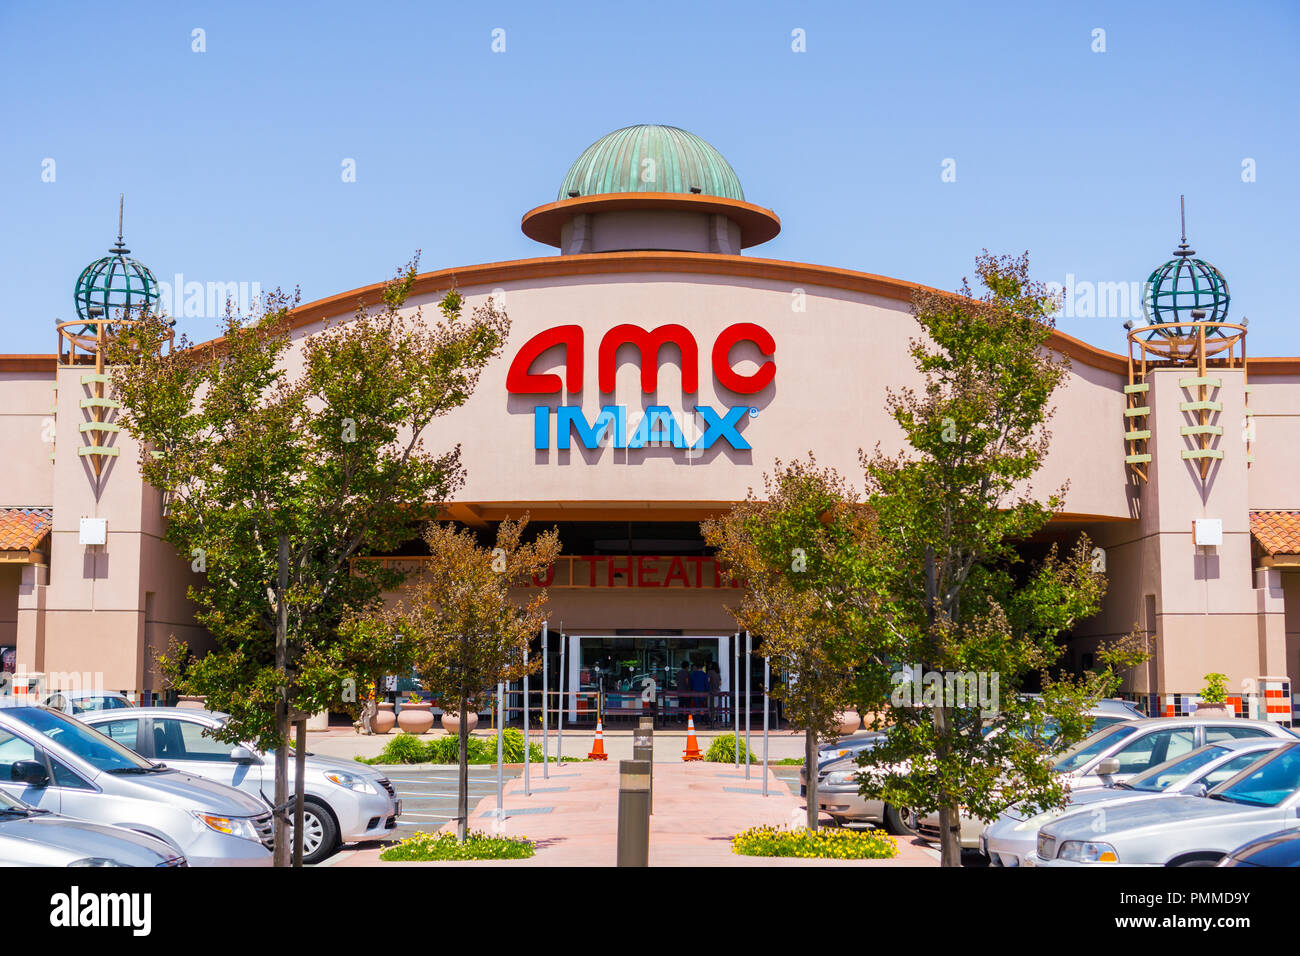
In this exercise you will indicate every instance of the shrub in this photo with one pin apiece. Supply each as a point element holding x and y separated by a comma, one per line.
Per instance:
<point>821,844</point>
<point>1216,689</point>
<point>723,750</point>
<point>443,846</point>
<point>403,748</point>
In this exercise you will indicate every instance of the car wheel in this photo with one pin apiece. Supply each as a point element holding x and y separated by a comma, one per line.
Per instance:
<point>320,834</point>
<point>1198,863</point>
<point>896,821</point>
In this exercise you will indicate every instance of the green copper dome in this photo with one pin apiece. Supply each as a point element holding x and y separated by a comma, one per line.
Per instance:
<point>651,159</point>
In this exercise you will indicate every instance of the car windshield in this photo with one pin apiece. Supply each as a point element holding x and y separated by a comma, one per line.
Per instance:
<point>99,751</point>
<point>9,803</point>
<point>1175,771</point>
<point>1101,723</point>
<point>1088,748</point>
<point>1268,785</point>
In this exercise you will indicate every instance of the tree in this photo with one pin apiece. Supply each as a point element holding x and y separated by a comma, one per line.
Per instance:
<point>289,459</point>
<point>808,593</point>
<point>468,631</point>
<point>957,599</point>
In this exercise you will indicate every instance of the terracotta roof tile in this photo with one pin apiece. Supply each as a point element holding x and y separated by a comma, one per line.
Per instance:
<point>23,529</point>
<point>1278,532</point>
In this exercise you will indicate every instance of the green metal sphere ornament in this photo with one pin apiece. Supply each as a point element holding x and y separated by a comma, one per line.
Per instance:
<point>1185,289</point>
<point>115,288</point>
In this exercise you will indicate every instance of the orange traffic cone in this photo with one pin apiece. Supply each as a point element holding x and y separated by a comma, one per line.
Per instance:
<point>598,748</point>
<point>692,751</point>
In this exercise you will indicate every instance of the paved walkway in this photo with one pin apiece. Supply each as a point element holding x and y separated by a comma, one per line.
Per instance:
<point>573,818</point>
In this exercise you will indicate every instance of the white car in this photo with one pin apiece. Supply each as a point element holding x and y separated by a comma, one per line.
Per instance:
<point>78,702</point>
<point>54,762</point>
<point>1180,829</point>
<point>30,836</point>
<point>1013,837</point>
<point>346,801</point>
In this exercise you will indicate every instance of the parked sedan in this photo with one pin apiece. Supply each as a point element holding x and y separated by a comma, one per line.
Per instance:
<point>845,748</point>
<point>346,802</point>
<point>57,763</point>
<point>1273,849</point>
<point>30,836</point>
<point>77,702</point>
<point>1181,830</point>
<point>1011,838</point>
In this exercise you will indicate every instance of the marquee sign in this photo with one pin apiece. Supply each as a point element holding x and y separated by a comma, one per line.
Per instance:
<point>658,424</point>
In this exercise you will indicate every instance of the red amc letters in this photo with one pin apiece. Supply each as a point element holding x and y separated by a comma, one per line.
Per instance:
<point>521,381</point>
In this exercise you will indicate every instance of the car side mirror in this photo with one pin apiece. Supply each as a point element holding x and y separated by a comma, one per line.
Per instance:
<point>1107,767</point>
<point>241,755</point>
<point>1198,790</point>
<point>30,772</point>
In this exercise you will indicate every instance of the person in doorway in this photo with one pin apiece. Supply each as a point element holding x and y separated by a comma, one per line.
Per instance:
<point>683,685</point>
<point>699,689</point>
<point>715,690</point>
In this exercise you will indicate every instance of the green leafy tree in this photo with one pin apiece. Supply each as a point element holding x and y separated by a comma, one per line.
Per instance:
<point>318,448</point>
<point>957,600</point>
<point>468,629</point>
<point>808,593</point>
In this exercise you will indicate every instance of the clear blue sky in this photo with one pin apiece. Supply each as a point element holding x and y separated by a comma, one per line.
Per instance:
<point>230,159</point>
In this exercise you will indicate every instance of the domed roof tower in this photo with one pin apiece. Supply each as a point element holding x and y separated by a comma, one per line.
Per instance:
<point>646,188</point>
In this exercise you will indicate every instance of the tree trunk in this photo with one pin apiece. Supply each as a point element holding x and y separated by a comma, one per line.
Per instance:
<point>299,789</point>
<point>281,820</point>
<point>949,814</point>
<point>462,796</point>
<point>810,763</point>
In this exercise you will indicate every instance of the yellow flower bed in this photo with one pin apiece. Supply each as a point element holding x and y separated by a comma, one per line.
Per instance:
<point>829,844</point>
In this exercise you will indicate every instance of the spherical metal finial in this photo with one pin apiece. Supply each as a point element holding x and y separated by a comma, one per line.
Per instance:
<point>1184,286</point>
<point>115,287</point>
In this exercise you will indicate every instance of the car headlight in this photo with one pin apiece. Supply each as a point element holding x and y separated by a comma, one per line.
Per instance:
<point>231,826</point>
<point>349,781</point>
<point>96,861</point>
<point>1082,851</point>
<point>842,776</point>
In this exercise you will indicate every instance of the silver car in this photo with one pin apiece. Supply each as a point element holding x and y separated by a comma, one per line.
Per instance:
<point>346,801</point>
<point>1013,837</point>
<point>1180,830</point>
<point>1123,750</point>
<point>57,763</point>
<point>78,702</point>
<point>30,836</point>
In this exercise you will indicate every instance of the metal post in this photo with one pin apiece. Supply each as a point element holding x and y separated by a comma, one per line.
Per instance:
<point>749,696</point>
<point>559,742</point>
<point>546,694</point>
<point>527,786</point>
<point>767,673</point>
<point>501,738</point>
<point>633,813</point>
<point>643,739</point>
<point>300,776</point>
<point>735,696</point>
<point>281,832</point>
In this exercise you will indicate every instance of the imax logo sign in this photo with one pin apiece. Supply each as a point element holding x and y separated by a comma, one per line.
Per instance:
<point>658,427</point>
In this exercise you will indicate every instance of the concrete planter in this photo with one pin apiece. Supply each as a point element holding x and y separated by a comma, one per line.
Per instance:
<point>1214,710</point>
<point>849,721</point>
<point>416,718</point>
<point>451,722</point>
<point>192,703</point>
<point>384,720</point>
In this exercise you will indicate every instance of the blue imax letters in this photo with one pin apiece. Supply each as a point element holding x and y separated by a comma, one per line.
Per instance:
<point>658,427</point>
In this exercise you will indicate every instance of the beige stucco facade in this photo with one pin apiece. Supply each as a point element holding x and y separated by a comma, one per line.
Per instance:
<point>840,342</point>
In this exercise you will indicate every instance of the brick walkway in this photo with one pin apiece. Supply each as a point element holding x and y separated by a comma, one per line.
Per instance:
<point>698,808</point>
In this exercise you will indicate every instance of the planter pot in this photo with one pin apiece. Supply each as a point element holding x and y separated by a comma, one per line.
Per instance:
<point>319,721</point>
<point>849,721</point>
<point>416,718</point>
<point>1215,710</point>
<point>451,722</point>
<point>192,703</point>
<point>384,721</point>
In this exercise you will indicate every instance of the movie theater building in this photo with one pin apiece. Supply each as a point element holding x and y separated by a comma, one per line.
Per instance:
<point>656,368</point>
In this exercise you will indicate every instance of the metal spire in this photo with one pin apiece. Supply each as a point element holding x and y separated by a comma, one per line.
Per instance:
<point>120,249</point>
<point>1182,249</point>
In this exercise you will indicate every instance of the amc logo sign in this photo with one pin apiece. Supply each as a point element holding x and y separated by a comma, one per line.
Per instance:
<point>658,425</point>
